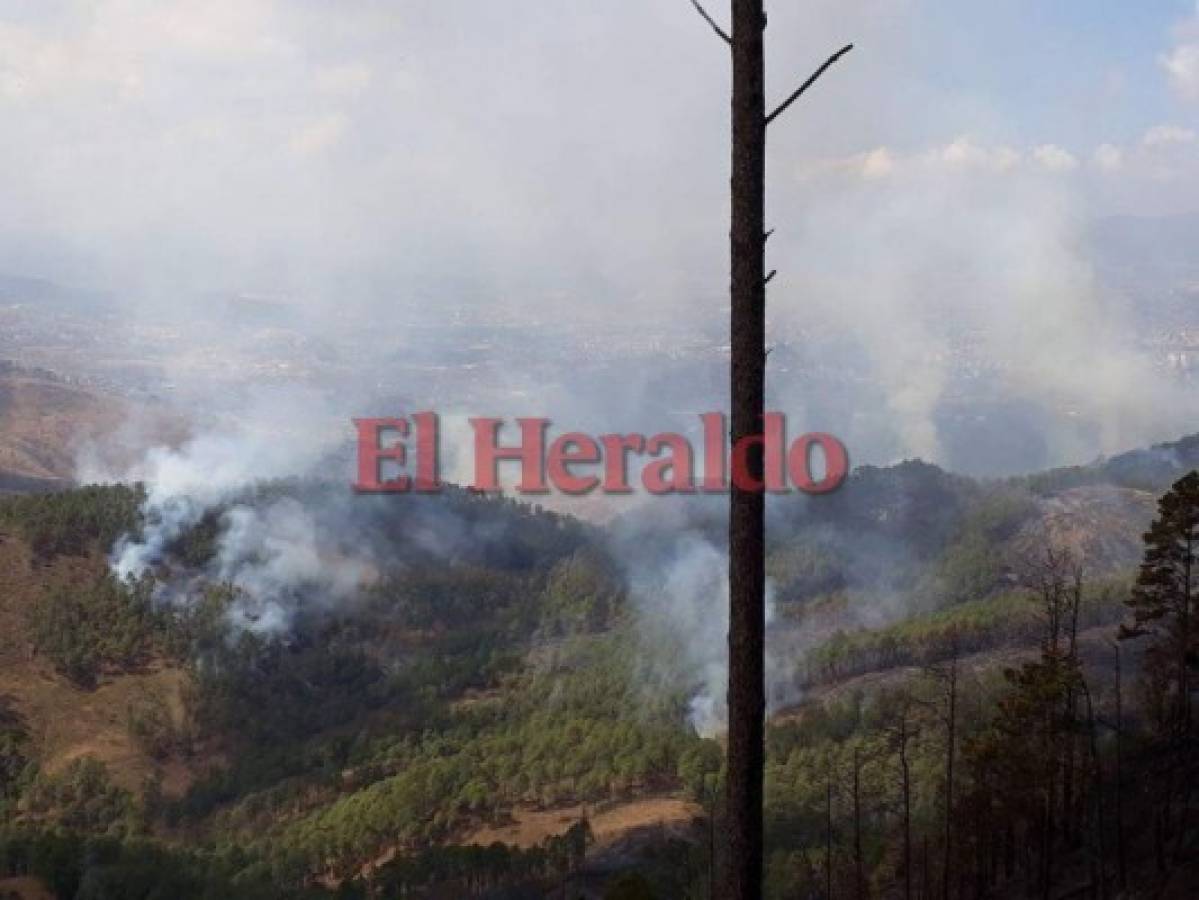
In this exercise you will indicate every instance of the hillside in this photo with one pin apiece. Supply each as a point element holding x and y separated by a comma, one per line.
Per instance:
<point>469,697</point>
<point>64,723</point>
<point>45,421</point>
<point>187,726</point>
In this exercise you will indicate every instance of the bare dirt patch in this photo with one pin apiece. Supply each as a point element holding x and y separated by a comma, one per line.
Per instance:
<point>24,889</point>
<point>609,821</point>
<point>62,721</point>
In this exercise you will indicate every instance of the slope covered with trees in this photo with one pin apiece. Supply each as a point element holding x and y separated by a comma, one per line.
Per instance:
<point>965,721</point>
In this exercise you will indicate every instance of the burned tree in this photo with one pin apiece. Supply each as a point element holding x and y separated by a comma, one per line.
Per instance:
<point>900,729</point>
<point>747,526</point>
<point>1163,605</point>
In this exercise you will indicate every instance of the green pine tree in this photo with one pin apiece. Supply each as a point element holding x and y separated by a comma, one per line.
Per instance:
<point>1163,604</point>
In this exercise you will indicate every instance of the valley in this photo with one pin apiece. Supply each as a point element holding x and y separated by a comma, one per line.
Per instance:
<point>516,712</point>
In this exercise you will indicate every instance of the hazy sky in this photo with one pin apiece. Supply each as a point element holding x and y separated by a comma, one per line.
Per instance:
<point>535,145</point>
<point>569,160</point>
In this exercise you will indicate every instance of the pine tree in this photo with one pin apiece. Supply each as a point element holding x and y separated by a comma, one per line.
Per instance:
<point>1163,610</point>
<point>1163,601</point>
<point>747,370</point>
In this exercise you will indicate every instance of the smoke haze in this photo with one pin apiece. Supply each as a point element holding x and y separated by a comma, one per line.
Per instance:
<point>295,213</point>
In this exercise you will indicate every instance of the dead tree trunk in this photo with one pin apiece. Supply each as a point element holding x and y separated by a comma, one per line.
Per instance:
<point>900,731</point>
<point>926,890</point>
<point>1099,850</point>
<point>1121,857</point>
<point>828,836</point>
<point>951,724</point>
<point>906,773</point>
<point>747,525</point>
<point>859,877</point>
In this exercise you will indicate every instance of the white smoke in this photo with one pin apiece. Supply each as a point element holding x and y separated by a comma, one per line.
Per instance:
<point>272,552</point>
<point>275,557</point>
<point>963,273</point>
<point>683,601</point>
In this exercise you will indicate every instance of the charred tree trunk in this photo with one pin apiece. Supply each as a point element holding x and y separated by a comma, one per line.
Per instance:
<point>1099,856</point>
<point>859,877</point>
<point>1184,622</point>
<point>1049,834</point>
<point>713,796</point>
<point>747,526</point>
<point>1184,694</point>
<point>951,722</point>
<point>828,838</point>
<point>1069,798</point>
<point>1121,857</point>
<point>906,774</point>
<point>925,879</point>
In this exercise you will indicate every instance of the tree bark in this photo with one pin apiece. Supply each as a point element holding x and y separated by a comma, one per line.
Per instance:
<point>1184,693</point>
<point>1100,849</point>
<point>951,723</point>
<point>712,795</point>
<point>907,808</point>
<point>859,878</point>
<point>828,836</point>
<point>747,239</point>
<point>1121,857</point>
<point>926,890</point>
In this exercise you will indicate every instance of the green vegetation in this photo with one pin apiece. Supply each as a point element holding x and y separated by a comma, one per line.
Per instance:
<point>509,674</point>
<point>16,766</point>
<point>92,627</point>
<point>72,522</point>
<point>471,870</point>
<point>1004,620</point>
<point>81,867</point>
<point>492,754</point>
<point>82,798</point>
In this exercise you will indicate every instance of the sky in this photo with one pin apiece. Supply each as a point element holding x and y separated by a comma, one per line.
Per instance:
<point>563,159</point>
<point>302,146</point>
<point>567,161</point>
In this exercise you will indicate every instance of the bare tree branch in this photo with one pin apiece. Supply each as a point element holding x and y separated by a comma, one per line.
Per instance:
<point>770,277</point>
<point>707,18</point>
<point>807,84</point>
<point>767,235</point>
